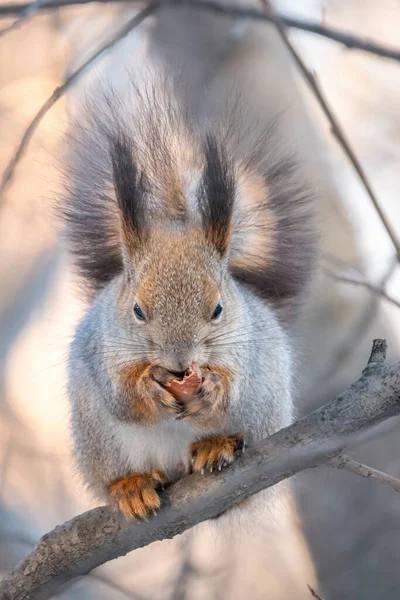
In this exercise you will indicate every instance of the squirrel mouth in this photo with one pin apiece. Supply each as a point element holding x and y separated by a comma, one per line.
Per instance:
<point>179,374</point>
<point>187,384</point>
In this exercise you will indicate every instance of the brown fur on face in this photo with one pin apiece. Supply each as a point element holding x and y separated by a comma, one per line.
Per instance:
<point>179,272</point>
<point>177,280</point>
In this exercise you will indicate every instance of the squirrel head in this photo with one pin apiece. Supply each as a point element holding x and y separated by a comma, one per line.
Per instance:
<point>178,294</point>
<point>177,289</point>
<point>189,218</point>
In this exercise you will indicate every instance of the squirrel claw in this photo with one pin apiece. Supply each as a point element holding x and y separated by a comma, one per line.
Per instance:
<point>216,452</point>
<point>136,495</point>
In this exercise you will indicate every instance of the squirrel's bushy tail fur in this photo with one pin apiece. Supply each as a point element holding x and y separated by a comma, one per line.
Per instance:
<point>151,146</point>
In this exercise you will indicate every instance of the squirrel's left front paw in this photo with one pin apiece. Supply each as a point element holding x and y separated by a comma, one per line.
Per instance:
<point>136,495</point>
<point>208,406</point>
<point>215,452</point>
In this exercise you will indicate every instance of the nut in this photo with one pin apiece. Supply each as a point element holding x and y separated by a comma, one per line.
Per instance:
<point>185,388</point>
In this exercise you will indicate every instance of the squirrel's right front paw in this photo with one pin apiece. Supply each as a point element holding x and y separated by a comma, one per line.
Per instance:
<point>158,378</point>
<point>148,400</point>
<point>136,495</point>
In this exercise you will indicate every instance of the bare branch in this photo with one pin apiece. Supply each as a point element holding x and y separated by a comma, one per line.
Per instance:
<point>99,535</point>
<point>26,10</point>
<point>59,91</point>
<point>29,10</point>
<point>377,290</point>
<point>350,41</point>
<point>314,593</point>
<point>335,128</point>
<point>339,355</point>
<point>345,462</point>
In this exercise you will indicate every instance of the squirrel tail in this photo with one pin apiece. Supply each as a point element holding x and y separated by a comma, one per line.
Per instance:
<point>123,162</point>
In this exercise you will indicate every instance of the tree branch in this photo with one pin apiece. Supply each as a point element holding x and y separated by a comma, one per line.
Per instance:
<point>376,290</point>
<point>314,593</point>
<point>338,355</point>
<point>59,91</point>
<point>350,41</point>
<point>29,10</point>
<point>335,127</point>
<point>341,461</point>
<point>233,11</point>
<point>99,535</point>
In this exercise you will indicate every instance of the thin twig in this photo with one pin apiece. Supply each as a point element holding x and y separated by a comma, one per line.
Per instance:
<point>336,129</point>
<point>255,14</point>
<point>343,461</point>
<point>29,10</point>
<point>59,91</point>
<point>314,593</point>
<point>349,40</point>
<point>345,346</point>
<point>377,290</point>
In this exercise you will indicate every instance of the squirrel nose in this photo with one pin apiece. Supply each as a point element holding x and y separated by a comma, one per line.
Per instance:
<point>174,365</point>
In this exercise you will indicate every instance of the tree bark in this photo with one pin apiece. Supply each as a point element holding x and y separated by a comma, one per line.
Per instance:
<point>99,535</point>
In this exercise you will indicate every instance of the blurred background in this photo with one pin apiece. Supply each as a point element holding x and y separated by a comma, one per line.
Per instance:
<point>351,544</point>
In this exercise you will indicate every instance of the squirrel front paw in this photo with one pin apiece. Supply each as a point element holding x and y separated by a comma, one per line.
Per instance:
<point>154,382</point>
<point>147,398</point>
<point>215,452</point>
<point>208,406</point>
<point>136,495</point>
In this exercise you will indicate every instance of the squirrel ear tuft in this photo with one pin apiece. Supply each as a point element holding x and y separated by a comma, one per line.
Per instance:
<point>130,190</point>
<point>217,195</point>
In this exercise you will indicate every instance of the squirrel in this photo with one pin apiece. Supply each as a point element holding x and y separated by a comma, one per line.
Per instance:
<point>195,242</point>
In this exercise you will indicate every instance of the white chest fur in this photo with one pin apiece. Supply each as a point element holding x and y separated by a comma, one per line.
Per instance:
<point>164,446</point>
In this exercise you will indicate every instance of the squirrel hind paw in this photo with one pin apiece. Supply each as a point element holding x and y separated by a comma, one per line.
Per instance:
<point>136,496</point>
<point>216,452</point>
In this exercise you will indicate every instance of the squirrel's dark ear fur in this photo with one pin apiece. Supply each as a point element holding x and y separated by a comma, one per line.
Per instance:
<point>217,195</point>
<point>129,167</point>
<point>130,190</point>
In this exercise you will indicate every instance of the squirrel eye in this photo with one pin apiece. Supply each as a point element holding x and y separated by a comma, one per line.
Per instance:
<point>138,312</point>
<point>217,311</point>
